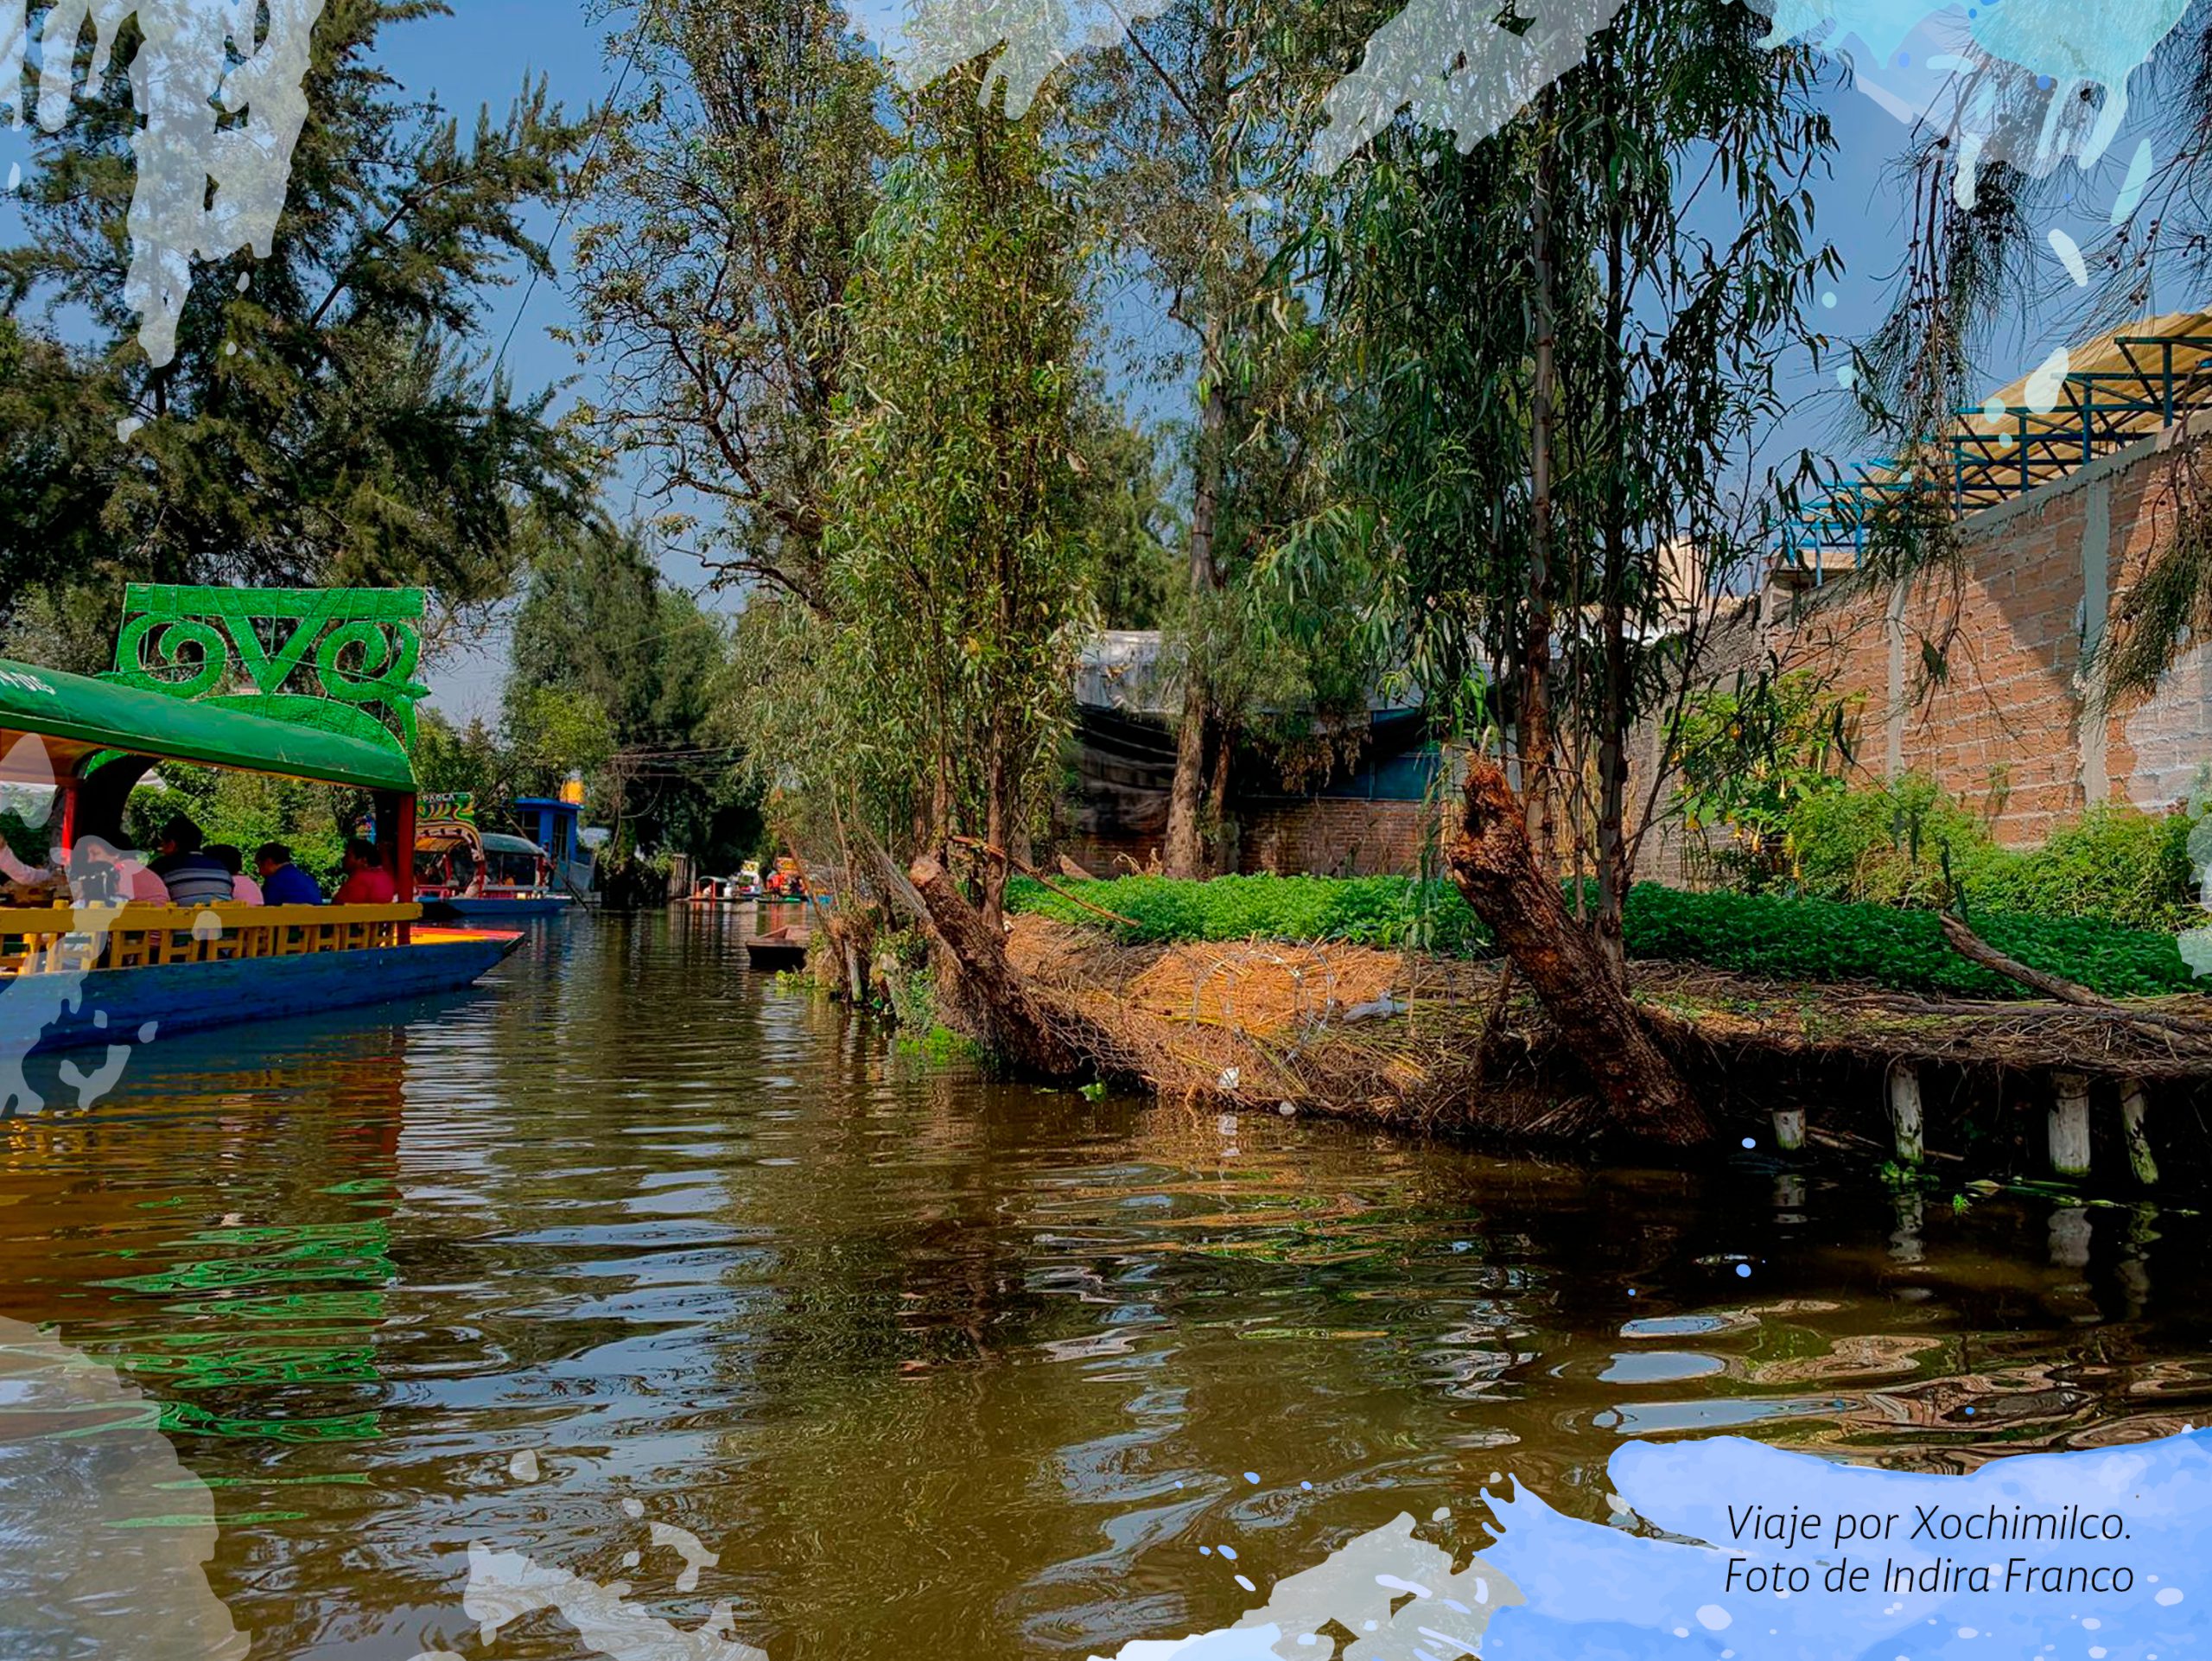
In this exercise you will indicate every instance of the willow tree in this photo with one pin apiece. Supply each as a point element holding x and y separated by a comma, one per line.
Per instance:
<point>1564,341</point>
<point>725,209</point>
<point>953,551</point>
<point>1180,128</point>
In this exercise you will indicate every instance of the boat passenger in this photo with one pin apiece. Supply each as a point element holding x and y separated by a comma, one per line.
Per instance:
<point>283,883</point>
<point>194,877</point>
<point>368,882</point>
<point>24,884</point>
<point>244,889</point>
<point>102,874</point>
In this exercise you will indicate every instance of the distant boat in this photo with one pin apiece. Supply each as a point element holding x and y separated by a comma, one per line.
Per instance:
<point>462,872</point>
<point>782,948</point>
<point>722,891</point>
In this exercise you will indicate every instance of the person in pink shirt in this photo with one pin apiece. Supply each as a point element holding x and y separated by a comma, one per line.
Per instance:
<point>100,874</point>
<point>245,890</point>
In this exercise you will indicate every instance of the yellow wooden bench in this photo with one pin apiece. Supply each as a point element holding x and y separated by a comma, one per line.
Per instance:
<point>64,938</point>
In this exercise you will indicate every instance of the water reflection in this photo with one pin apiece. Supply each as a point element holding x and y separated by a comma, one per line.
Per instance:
<point>942,1365</point>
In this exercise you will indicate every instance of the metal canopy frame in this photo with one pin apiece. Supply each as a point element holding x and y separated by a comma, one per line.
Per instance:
<point>1997,457</point>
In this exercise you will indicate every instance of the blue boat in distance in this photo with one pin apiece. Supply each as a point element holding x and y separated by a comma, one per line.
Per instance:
<point>480,875</point>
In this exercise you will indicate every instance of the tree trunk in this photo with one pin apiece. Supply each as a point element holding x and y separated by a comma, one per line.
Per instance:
<point>983,987</point>
<point>1184,855</point>
<point>1224,848</point>
<point>1181,857</point>
<point>1614,713</point>
<point>1496,870</point>
<point>998,786</point>
<point>1534,728</point>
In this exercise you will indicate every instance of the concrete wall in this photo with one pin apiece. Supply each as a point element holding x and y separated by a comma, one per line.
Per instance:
<point>2010,726</point>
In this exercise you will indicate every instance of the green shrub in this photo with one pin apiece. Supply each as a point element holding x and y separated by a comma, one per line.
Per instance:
<point>1749,754</point>
<point>1887,844</point>
<point>1751,934</point>
<point>2117,862</point>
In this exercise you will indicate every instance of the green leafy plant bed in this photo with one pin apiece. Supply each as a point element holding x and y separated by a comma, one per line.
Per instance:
<point>1826,940</point>
<point>1752,935</point>
<point>1387,911</point>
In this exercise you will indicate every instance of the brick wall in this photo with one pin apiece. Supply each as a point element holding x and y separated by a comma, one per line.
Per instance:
<point>1333,838</point>
<point>2010,726</point>
<point>1287,836</point>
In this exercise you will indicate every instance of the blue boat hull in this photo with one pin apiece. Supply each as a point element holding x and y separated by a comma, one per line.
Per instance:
<point>110,1006</point>
<point>483,910</point>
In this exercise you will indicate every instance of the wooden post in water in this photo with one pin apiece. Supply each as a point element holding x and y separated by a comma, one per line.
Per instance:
<point>2069,1124</point>
<point>2134,1110</point>
<point>1905,1113</point>
<point>1790,1129</point>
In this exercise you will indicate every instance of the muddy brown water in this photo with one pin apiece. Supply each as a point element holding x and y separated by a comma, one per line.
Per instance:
<point>940,1365</point>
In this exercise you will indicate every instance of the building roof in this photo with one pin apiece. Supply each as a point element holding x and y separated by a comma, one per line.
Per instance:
<point>2103,396</point>
<point>76,718</point>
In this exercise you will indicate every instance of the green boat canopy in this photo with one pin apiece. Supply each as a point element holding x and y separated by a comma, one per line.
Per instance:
<point>496,843</point>
<point>78,718</point>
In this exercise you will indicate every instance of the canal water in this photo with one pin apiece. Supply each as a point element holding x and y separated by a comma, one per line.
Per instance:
<point>941,1366</point>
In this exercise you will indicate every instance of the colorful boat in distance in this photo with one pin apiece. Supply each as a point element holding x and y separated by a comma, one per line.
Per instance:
<point>80,970</point>
<point>721,891</point>
<point>480,875</point>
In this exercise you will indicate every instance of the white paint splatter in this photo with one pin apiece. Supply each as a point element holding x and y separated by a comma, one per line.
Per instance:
<point>1455,69</point>
<point>221,113</point>
<point>109,1534</point>
<point>2049,381</point>
<point>2069,256</point>
<point>688,1546</point>
<point>2132,187</point>
<point>1369,1573</point>
<point>2011,82</point>
<point>504,1587</point>
<point>1038,35</point>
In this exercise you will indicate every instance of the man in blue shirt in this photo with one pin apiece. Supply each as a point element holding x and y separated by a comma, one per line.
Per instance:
<point>283,883</point>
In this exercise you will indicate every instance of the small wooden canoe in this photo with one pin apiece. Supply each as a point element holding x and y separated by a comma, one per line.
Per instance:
<point>782,948</point>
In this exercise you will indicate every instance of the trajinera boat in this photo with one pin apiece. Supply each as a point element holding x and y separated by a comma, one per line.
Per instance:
<point>98,971</point>
<point>480,875</point>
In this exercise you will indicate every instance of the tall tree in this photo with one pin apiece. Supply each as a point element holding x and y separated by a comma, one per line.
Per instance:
<point>729,205</point>
<point>323,419</point>
<point>955,553</point>
<point>1552,450</point>
<point>620,676</point>
<point>1181,127</point>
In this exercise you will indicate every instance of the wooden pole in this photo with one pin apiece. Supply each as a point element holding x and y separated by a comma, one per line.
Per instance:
<point>2069,1124</point>
<point>2134,1110</point>
<point>1790,1129</point>
<point>1905,1113</point>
